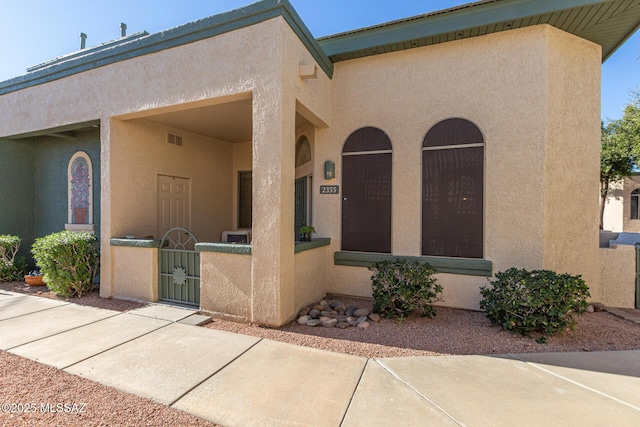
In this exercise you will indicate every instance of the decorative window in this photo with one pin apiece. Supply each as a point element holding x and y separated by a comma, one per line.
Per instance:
<point>453,190</point>
<point>303,151</point>
<point>635,197</point>
<point>80,189</point>
<point>366,191</point>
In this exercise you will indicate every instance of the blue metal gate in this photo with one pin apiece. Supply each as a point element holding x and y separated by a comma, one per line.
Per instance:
<point>179,266</point>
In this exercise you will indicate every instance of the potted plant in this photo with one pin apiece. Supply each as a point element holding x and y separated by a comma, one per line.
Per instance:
<point>305,233</point>
<point>34,278</point>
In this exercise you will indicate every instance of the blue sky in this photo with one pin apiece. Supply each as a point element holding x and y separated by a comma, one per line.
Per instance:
<point>35,31</point>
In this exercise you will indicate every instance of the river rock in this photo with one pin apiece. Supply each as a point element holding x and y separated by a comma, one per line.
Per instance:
<point>315,313</point>
<point>304,311</point>
<point>361,312</point>
<point>350,310</point>
<point>342,325</point>
<point>304,319</point>
<point>375,317</point>
<point>330,323</point>
<point>363,325</point>
<point>313,322</point>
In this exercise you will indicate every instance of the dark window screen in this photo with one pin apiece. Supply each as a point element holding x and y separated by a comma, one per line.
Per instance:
<point>635,194</point>
<point>452,198</point>
<point>366,195</point>
<point>453,132</point>
<point>244,199</point>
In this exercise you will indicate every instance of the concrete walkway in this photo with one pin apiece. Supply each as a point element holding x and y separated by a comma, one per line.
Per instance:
<point>236,380</point>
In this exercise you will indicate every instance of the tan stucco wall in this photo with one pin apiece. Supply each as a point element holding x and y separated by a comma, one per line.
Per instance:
<point>225,285</point>
<point>572,157</point>
<point>614,209</point>
<point>140,152</point>
<point>500,82</point>
<point>310,276</point>
<point>618,276</point>
<point>137,274</point>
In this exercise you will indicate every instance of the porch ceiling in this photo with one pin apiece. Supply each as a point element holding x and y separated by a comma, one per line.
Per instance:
<point>230,121</point>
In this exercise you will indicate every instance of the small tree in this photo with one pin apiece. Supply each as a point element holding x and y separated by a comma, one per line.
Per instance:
<point>620,149</point>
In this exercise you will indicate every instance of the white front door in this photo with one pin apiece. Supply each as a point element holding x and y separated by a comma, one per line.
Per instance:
<point>174,203</point>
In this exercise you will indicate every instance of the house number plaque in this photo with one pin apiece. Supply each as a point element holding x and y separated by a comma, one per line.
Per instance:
<point>329,189</point>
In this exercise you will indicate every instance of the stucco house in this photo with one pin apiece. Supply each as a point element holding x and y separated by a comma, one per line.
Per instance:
<point>467,138</point>
<point>622,209</point>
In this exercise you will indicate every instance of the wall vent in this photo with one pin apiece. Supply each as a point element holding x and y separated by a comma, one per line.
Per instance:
<point>174,139</point>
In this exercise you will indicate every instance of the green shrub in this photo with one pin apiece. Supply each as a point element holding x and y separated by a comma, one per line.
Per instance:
<point>534,301</point>
<point>12,267</point>
<point>400,287</point>
<point>68,260</point>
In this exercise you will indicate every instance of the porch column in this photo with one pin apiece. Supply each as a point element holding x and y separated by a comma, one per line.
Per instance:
<point>106,282</point>
<point>272,269</point>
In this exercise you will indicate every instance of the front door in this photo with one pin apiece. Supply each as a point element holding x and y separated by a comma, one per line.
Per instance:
<point>174,203</point>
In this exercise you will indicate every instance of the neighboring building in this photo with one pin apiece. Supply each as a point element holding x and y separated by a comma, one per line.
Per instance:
<point>622,210</point>
<point>467,138</point>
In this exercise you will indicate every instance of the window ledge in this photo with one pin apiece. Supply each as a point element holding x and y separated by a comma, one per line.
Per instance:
<point>464,266</point>
<point>80,227</point>
<point>314,243</point>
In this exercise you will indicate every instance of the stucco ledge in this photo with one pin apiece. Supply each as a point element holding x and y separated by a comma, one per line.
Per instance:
<point>464,266</point>
<point>134,243</point>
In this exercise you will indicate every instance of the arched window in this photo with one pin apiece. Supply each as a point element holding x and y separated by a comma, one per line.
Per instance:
<point>80,189</point>
<point>635,197</point>
<point>366,191</point>
<point>303,151</point>
<point>453,190</point>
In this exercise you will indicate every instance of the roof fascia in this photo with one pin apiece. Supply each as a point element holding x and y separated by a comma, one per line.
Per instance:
<point>181,35</point>
<point>456,20</point>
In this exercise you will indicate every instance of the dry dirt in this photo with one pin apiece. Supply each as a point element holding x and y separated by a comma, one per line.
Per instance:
<point>450,332</point>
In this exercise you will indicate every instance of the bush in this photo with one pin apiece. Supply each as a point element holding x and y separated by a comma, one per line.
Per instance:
<point>534,301</point>
<point>400,287</point>
<point>12,267</point>
<point>68,260</point>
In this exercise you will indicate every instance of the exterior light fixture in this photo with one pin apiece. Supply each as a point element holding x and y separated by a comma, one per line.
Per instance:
<point>329,170</point>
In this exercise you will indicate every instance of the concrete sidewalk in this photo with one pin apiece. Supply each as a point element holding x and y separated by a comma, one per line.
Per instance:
<point>236,380</point>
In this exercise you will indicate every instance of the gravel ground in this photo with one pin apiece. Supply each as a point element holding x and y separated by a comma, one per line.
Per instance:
<point>25,385</point>
<point>450,332</point>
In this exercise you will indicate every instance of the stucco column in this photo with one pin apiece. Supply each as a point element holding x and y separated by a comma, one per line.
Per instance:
<point>106,282</point>
<point>272,268</point>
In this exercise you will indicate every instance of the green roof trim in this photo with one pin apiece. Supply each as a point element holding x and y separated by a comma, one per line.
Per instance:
<point>605,22</point>
<point>464,266</point>
<point>140,45</point>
